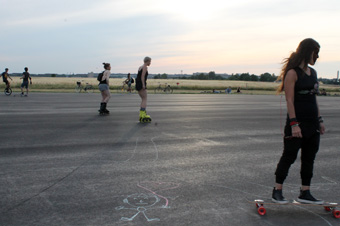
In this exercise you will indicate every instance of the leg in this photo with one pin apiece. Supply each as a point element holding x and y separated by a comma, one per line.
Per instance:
<point>291,149</point>
<point>102,107</point>
<point>106,96</point>
<point>143,117</point>
<point>143,94</point>
<point>309,149</point>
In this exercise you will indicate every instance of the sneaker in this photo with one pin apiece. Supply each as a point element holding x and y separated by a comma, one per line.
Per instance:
<point>306,197</point>
<point>277,197</point>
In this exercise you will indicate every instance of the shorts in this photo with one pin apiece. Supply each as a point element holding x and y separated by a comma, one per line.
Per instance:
<point>103,87</point>
<point>24,84</point>
<point>6,82</point>
<point>139,86</point>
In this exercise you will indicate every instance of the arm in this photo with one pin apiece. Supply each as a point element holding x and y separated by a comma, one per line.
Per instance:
<point>289,87</point>
<point>107,76</point>
<point>322,126</point>
<point>143,75</point>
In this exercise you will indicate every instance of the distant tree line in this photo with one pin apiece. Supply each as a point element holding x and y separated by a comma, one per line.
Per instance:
<point>161,76</point>
<point>266,77</point>
<point>329,81</point>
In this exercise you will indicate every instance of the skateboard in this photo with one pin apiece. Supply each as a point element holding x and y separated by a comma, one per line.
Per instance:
<point>328,206</point>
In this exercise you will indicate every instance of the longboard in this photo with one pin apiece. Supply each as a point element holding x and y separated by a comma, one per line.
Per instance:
<point>328,206</point>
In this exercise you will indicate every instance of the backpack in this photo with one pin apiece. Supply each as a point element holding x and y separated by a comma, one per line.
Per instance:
<point>100,76</point>
<point>132,80</point>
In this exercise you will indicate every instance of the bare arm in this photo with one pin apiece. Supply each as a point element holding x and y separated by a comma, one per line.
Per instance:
<point>106,76</point>
<point>289,88</point>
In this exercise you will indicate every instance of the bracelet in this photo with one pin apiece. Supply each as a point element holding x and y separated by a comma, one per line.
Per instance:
<point>320,119</point>
<point>293,120</point>
<point>295,125</point>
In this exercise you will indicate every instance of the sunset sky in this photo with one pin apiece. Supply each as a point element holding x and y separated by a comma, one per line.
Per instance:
<point>76,36</point>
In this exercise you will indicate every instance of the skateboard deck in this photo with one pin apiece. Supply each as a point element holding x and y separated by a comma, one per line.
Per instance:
<point>261,203</point>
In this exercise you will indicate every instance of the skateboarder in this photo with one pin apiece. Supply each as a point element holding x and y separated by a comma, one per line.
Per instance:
<point>304,123</point>
<point>142,76</point>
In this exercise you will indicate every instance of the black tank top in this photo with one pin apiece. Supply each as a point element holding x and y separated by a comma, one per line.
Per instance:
<point>26,76</point>
<point>306,89</point>
<point>139,76</point>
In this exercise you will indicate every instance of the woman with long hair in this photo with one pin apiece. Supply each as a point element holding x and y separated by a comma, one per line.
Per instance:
<point>104,87</point>
<point>304,123</point>
<point>142,76</point>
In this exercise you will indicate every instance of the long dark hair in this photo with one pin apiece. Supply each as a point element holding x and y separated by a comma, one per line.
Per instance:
<point>302,54</point>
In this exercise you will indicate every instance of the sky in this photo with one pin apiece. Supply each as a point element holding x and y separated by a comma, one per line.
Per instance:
<point>181,36</point>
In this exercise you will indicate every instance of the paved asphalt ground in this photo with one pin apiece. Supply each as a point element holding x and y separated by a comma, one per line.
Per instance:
<point>195,164</point>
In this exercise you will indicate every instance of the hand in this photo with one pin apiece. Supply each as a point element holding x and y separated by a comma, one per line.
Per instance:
<point>296,132</point>
<point>322,128</point>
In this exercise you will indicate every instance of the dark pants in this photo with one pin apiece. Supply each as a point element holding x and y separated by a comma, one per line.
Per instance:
<point>309,145</point>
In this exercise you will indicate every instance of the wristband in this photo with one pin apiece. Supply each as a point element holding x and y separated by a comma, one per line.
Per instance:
<point>320,119</point>
<point>295,125</point>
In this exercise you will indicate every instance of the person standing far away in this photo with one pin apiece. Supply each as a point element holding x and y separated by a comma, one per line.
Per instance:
<point>129,81</point>
<point>5,77</point>
<point>25,77</point>
<point>304,123</point>
<point>104,87</point>
<point>141,79</point>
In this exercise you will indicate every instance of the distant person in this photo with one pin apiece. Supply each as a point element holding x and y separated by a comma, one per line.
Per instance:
<point>129,81</point>
<point>104,87</point>
<point>323,92</point>
<point>141,79</point>
<point>25,77</point>
<point>304,123</point>
<point>5,77</point>
<point>239,90</point>
<point>228,90</point>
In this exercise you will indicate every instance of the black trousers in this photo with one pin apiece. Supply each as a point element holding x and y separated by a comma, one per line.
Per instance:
<point>309,145</point>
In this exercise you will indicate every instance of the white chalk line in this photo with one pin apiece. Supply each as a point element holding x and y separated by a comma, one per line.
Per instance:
<point>134,151</point>
<point>155,146</point>
<point>314,214</point>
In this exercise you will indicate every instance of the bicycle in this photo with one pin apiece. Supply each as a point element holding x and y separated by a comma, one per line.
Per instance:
<point>167,89</point>
<point>124,89</point>
<point>88,88</point>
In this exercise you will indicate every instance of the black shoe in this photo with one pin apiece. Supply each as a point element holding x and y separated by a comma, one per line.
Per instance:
<point>102,108</point>
<point>306,197</point>
<point>277,197</point>
<point>105,110</point>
